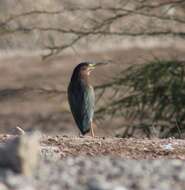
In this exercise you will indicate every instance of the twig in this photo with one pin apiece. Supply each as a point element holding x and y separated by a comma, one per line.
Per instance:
<point>21,131</point>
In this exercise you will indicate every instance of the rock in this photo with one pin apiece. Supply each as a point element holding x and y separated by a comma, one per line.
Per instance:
<point>18,182</point>
<point>102,184</point>
<point>3,187</point>
<point>50,153</point>
<point>21,153</point>
<point>97,184</point>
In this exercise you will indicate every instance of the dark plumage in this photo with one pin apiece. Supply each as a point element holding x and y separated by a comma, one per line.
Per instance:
<point>81,96</point>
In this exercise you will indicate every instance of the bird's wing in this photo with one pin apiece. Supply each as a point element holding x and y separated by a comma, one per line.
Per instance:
<point>82,107</point>
<point>89,102</point>
<point>75,101</point>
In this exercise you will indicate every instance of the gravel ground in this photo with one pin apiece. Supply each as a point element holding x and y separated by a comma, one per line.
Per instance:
<point>103,173</point>
<point>71,163</point>
<point>128,148</point>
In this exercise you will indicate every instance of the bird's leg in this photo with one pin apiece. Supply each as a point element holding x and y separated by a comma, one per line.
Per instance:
<point>92,130</point>
<point>80,135</point>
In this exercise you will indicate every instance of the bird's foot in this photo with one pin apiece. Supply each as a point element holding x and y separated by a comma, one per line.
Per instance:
<point>81,136</point>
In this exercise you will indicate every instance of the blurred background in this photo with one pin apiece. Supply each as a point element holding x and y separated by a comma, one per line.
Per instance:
<point>42,41</point>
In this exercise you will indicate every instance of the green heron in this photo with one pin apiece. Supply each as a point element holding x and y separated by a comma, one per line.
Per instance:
<point>81,96</point>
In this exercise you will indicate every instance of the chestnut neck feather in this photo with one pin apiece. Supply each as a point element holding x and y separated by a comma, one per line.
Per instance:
<point>80,78</point>
<point>84,78</point>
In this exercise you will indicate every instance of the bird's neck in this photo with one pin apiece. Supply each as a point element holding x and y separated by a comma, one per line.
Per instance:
<point>80,79</point>
<point>84,79</point>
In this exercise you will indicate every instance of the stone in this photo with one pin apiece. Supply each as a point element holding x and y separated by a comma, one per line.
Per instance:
<point>21,153</point>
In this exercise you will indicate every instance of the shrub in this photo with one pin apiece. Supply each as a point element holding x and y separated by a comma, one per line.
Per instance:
<point>150,96</point>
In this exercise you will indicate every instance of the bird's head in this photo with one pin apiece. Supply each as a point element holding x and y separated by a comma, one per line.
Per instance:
<point>85,68</point>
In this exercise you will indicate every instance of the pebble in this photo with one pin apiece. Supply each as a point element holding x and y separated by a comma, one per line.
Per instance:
<point>101,173</point>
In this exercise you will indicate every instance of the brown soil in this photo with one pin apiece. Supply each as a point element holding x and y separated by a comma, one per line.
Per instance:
<point>125,148</point>
<point>130,148</point>
<point>70,162</point>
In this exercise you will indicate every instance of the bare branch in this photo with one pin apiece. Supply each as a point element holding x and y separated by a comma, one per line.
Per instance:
<point>100,20</point>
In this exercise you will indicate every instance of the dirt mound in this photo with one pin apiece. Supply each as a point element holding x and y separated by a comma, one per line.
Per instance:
<point>102,163</point>
<point>125,148</point>
<point>128,148</point>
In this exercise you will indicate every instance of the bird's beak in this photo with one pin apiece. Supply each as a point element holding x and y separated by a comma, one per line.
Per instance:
<point>93,65</point>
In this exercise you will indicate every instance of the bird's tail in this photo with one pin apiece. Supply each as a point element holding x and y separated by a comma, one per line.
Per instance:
<point>85,130</point>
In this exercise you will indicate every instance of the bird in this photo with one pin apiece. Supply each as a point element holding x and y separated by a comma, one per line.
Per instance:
<point>81,96</point>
